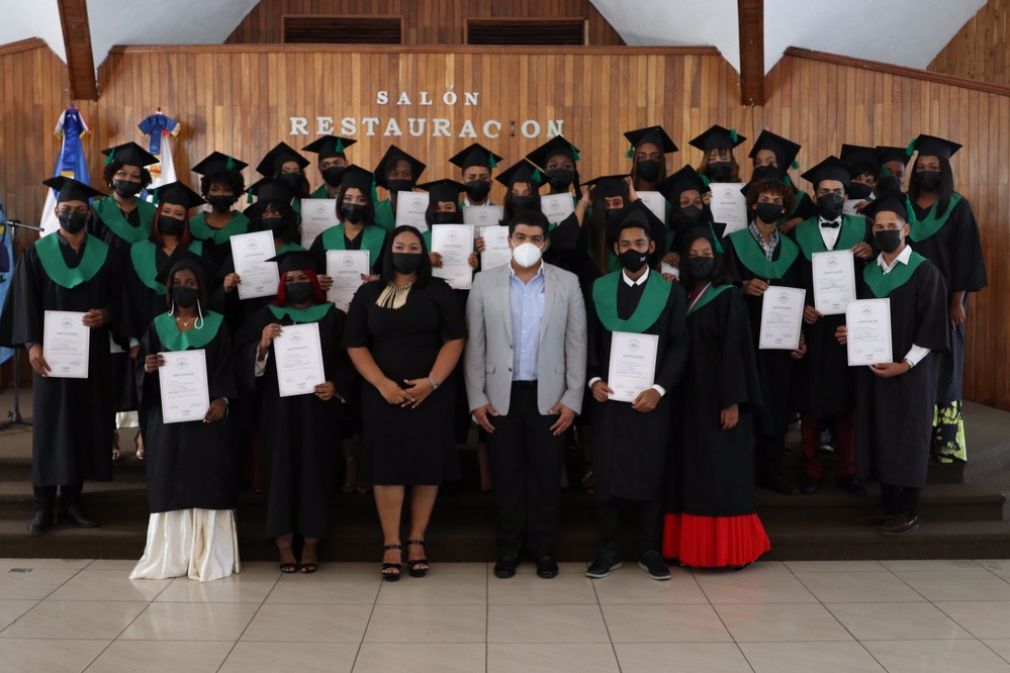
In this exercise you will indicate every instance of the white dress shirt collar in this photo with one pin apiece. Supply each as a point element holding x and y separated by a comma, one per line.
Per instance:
<point>631,283</point>
<point>902,258</point>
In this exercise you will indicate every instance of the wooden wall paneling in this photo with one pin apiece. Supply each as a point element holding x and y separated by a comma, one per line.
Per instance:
<point>981,49</point>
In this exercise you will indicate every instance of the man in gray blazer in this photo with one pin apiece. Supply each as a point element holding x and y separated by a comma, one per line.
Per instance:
<point>525,370</point>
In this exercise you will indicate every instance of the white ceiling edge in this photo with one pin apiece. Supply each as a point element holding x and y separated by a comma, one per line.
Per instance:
<point>39,18</point>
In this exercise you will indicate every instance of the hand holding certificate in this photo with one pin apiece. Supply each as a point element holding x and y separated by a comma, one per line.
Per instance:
<point>655,202</point>
<point>318,215</point>
<point>182,379</point>
<point>454,242</point>
<point>299,356</point>
<point>834,281</point>
<point>496,246</point>
<point>632,364</point>
<point>481,216</point>
<point>410,209</point>
<point>249,253</point>
<point>729,205</point>
<point>557,207</point>
<point>66,341</point>
<point>781,318</point>
<point>868,327</point>
<point>345,267</point>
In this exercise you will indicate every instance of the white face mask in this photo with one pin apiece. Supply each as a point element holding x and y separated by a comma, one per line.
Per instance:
<point>526,255</point>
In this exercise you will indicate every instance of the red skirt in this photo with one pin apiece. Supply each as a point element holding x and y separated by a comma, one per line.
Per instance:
<point>714,541</point>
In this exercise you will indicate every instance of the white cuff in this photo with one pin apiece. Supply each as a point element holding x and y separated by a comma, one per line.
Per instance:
<point>916,354</point>
<point>261,365</point>
<point>659,389</point>
<point>133,343</point>
<point>592,381</point>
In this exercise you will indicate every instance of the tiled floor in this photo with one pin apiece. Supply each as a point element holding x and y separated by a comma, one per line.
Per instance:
<point>833,617</point>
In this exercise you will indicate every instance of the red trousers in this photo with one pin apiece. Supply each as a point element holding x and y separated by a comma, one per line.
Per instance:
<point>845,449</point>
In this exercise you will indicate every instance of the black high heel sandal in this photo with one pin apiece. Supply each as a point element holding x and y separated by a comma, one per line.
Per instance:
<point>392,576</point>
<point>412,565</point>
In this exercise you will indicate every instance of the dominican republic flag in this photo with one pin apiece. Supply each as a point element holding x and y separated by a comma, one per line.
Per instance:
<point>71,163</point>
<point>160,129</point>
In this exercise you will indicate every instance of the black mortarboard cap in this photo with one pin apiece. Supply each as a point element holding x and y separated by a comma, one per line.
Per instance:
<point>72,190</point>
<point>717,137</point>
<point>294,259</point>
<point>129,153</point>
<point>179,194</point>
<point>218,162</point>
<point>785,150</point>
<point>608,185</point>
<point>521,171</point>
<point>356,176</point>
<point>650,134</point>
<point>556,145</point>
<point>444,190</point>
<point>392,155</point>
<point>933,146</point>
<point>329,146</point>
<point>280,154</point>
<point>831,168</point>
<point>475,155</point>
<point>684,179</point>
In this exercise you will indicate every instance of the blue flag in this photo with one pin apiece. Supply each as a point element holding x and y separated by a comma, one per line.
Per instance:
<point>6,270</point>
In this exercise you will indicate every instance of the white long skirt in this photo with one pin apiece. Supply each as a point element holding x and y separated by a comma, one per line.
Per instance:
<point>199,543</point>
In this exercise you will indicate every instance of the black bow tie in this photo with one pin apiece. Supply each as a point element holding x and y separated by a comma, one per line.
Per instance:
<point>830,225</point>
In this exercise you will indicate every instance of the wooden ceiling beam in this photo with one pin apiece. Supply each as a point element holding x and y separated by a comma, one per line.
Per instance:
<point>752,51</point>
<point>77,42</point>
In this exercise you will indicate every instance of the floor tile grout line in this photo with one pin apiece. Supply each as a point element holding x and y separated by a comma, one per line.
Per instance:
<point>606,626</point>
<point>487,617</point>
<point>39,601</point>
<point>368,622</point>
<point>248,624</point>
<point>971,633</point>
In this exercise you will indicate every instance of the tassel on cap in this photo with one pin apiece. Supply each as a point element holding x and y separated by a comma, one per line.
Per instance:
<point>716,245</point>
<point>630,153</point>
<point>576,154</point>
<point>229,165</point>
<point>911,147</point>
<point>733,135</point>
<point>110,157</point>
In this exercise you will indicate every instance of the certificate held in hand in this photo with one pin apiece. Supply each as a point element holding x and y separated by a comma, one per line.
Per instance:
<point>345,267</point>
<point>781,318</point>
<point>482,216</point>
<point>729,205</point>
<point>249,253</point>
<point>557,207</point>
<point>299,360</point>
<point>66,342</point>
<point>454,242</point>
<point>834,277</point>
<point>318,215</point>
<point>183,383</point>
<point>868,332</point>
<point>496,246</point>
<point>632,364</point>
<point>410,209</point>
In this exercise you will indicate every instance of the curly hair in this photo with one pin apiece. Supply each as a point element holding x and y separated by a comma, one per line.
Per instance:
<point>228,179</point>
<point>774,187</point>
<point>110,170</point>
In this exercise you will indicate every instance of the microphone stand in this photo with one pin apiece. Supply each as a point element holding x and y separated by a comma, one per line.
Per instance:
<point>14,416</point>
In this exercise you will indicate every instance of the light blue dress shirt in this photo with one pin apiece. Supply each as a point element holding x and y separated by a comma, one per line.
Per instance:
<point>527,303</point>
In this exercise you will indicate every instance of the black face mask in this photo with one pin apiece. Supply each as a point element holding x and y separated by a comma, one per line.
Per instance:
<point>560,179</point>
<point>293,181</point>
<point>127,189</point>
<point>444,218</point>
<point>633,260</point>
<point>701,268</point>
<point>927,180</point>
<point>888,240</point>
<point>857,190</point>
<point>768,212</point>
<point>272,224</point>
<point>648,169</point>
<point>477,190</point>
<point>332,175</point>
<point>406,262</point>
<point>692,213</point>
<point>399,185</point>
<point>72,221</point>
<point>829,206</point>
<point>185,297</point>
<point>767,172</point>
<point>221,204</point>
<point>353,212</point>
<point>611,215</point>
<point>300,292</point>
<point>523,203</point>
<point>170,226</point>
<point>718,170</point>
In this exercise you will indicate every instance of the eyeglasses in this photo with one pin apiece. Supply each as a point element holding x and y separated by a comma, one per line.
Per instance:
<point>523,238</point>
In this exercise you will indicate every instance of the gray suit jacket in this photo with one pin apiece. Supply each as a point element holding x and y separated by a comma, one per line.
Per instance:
<point>487,364</point>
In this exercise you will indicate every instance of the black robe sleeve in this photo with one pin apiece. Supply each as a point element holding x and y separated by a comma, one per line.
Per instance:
<point>675,357</point>
<point>21,318</point>
<point>932,330</point>
<point>968,272</point>
<point>567,234</point>
<point>737,375</point>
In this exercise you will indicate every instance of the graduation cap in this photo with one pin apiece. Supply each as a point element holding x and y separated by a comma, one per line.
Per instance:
<point>268,189</point>
<point>831,168</point>
<point>553,147</point>
<point>444,190</point>
<point>717,137</point>
<point>521,171</point>
<point>218,162</point>
<point>129,153</point>
<point>608,186</point>
<point>893,201</point>
<point>329,146</point>
<point>785,150</point>
<point>681,181</point>
<point>712,231</point>
<point>650,134</point>
<point>475,155</point>
<point>357,177</point>
<point>886,153</point>
<point>860,158</point>
<point>932,146</point>
<point>72,190</point>
<point>636,214</point>
<point>766,174</point>
<point>184,258</point>
<point>179,194</point>
<point>294,259</point>
<point>280,154</point>
<point>389,159</point>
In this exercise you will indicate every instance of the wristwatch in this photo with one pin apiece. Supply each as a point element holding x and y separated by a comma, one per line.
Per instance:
<point>433,382</point>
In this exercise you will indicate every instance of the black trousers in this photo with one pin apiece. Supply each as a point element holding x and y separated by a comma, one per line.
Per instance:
<point>526,459</point>
<point>900,500</point>
<point>45,496</point>
<point>650,518</point>
<point>769,445</point>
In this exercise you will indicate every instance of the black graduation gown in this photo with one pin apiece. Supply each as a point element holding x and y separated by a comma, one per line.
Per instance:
<point>895,416</point>
<point>956,251</point>
<point>299,435</point>
<point>143,302</point>
<point>712,473</point>
<point>191,464</point>
<point>319,251</point>
<point>630,447</point>
<point>73,429</point>
<point>776,368</point>
<point>825,384</point>
<point>213,250</point>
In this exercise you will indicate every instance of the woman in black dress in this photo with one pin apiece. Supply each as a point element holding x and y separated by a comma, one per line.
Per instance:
<point>404,335</point>
<point>192,467</point>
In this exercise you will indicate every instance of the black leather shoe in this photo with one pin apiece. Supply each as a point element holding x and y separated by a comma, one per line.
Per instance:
<point>852,486</point>
<point>75,515</point>
<point>547,567</point>
<point>506,566</point>
<point>604,563</point>
<point>652,563</point>
<point>810,486</point>
<point>900,525</point>
<point>40,522</point>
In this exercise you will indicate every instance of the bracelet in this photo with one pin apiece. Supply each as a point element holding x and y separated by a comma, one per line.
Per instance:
<point>434,384</point>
